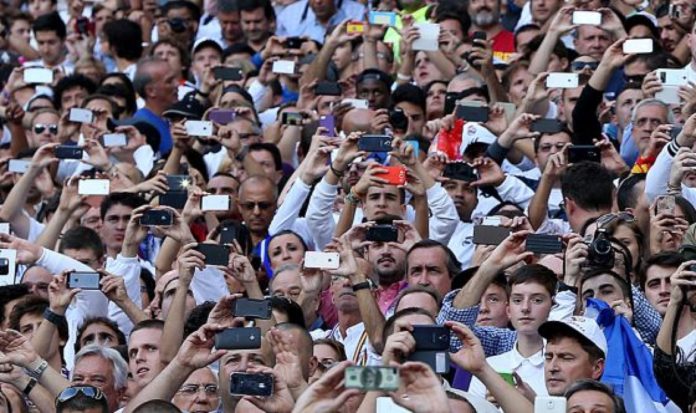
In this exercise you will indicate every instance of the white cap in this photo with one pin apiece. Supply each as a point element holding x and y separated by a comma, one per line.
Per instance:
<point>479,404</point>
<point>206,41</point>
<point>584,326</point>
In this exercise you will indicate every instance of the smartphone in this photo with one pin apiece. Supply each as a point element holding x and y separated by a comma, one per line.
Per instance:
<point>579,153</point>
<point>489,234</point>
<point>451,99</point>
<point>493,221</point>
<point>355,27</point>
<point>178,183</point>
<point>248,307</point>
<point>674,11</point>
<point>472,113</point>
<point>357,103</point>
<point>368,378</point>
<point>83,25</point>
<point>428,39</point>
<point>291,118</point>
<point>238,338</point>
<point>251,384</point>
<point>8,266</point>
<point>547,126</point>
<point>382,233</point>
<point>294,42</point>
<point>415,145</point>
<point>176,200</point>
<point>216,203</point>
<point>222,116</point>
<point>479,35</point>
<point>562,80</point>
<point>673,133</point>
<point>431,337</point>
<point>666,204</point>
<point>593,18</point>
<point>111,140</point>
<point>325,88</point>
<point>322,260</point>
<point>383,18</point>
<point>394,175</point>
<point>214,254</point>
<point>93,187</point>
<point>80,115</point>
<point>328,122</point>
<point>544,244</point>
<point>460,171</point>
<point>438,360</point>
<point>549,404</point>
<point>68,152</point>
<point>40,75</point>
<point>669,94</point>
<point>398,119</point>
<point>375,143</point>
<point>284,67</point>
<point>228,73</point>
<point>232,231</point>
<point>672,77</point>
<point>157,217</point>
<point>638,46</point>
<point>199,128</point>
<point>385,404</point>
<point>18,166</point>
<point>5,228</point>
<point>86,280</point>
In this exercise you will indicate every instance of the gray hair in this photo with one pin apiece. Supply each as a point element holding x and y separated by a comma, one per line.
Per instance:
<point>143,77</point>
<point>653,102</point>
<point>286,267</point>
<point>120,367</point>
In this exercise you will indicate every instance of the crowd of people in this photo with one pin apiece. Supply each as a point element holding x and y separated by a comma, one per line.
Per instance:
<point>348,205</point>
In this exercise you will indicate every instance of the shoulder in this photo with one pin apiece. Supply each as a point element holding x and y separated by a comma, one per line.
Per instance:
<point>294,8</point>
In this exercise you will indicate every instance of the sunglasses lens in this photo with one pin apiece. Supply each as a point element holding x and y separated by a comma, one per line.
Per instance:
<point>38,129</point>
<point>53,129</point>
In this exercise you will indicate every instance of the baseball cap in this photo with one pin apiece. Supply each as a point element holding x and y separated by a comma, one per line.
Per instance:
<point>206,41</point>
<point>479,404</point>
<point>576,325</point>
<point>188,107</point>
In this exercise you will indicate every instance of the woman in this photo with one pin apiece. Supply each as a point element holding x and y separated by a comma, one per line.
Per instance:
<point>286,247</point>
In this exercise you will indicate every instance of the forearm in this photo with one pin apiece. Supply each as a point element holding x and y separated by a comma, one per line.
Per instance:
<point>19,142</point>
<point>587,126</point>
<point>345,221</point>
<point>543,54</point>
<point>173,332</point>
<point>317,69</point>
<point>288,143</point>
<point>171,167</point>
<point>51,233</point>
<point>42,399</point>
<point>470,294</point>
<point>308,302</point>
<point>166,255</point>
<point>444,65</point>
<point>211,220</point>
<point>372,317</point>
<point>664,337</point>
<point>163,387</point>
<point>12,207</point>
<point>370,55</point>
<point>43,342</point>
<point>420,204</point>
<point>133,312</point>
<point>600,78</point>
<point>538,206</point>
<point>496,90</point>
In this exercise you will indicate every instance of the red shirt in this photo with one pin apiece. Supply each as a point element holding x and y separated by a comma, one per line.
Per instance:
<point>503,46</point>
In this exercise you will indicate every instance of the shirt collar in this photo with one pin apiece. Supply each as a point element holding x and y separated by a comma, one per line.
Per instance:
<point>516,359</point>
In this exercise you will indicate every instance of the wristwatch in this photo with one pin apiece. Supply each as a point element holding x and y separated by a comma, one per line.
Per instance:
<point>30,386</point>
<point>53,318</point>
<point>365,285</point>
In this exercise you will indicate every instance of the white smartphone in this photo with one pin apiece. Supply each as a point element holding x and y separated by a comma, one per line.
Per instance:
<point>8,265</point>
<point>18,166</point>
<point>81,115</point>
<point>387,405</point>
<point>638,46</point>
<point>669,94</point>
<point>429,37</point>
<point>562,80</point>
<point>357,103</point>
<point>593,18</point>
<point>93,187</point>
<point>5,228</point>
<point>672,77</point>
<point>549,404</point>
<point>324,260</point>
<point>199,127</point>
<point>286,67</point>
<point>40,75</point>
<point>111,140</point>
<point>493,221</point>
<point>215,203</point>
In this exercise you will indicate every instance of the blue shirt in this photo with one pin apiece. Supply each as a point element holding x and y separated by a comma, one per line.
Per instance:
<point>298,19</point>
<point>160,124</point>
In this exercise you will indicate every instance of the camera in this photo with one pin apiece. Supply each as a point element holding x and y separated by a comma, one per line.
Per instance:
<point>177,24</point>
<point>601,252</point>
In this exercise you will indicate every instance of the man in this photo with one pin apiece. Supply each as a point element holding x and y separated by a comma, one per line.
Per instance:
<point>465,198</point>
<point>199,392</point>
<point>104,368</point>
<point>431,264</point>
<point>312,18</point>
<point>50,33</point>
<point>187,14</point>
<point>71,91</point>
<point>592,396</point>
<point>374,86</point>
<point>258,22</point>
<point>82,399</point>
<point>157,84</point>
<point>143,351</point>
<point>647,116</point>
<point>257,205</point>
<point>411,100</point>
<point>627,99</point>
<point>494,304</point>
<point>485,16</point>
<point>671,34</point>
<point>84,245</point>
<point>115,213</point>
<point>207,53</point>
<point>122,40</point>
<point>37,280</point>
<point>229,18</point>
<point>592,41</point>
<point>267,155</point>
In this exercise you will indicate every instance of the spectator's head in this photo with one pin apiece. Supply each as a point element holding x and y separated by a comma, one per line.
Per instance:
<point>258,20</point>
<point>647,115</point>
<point>165,289</point>
<point>84,245</point>
<point>286,247</point>
<point>494,303</point>
<point>286,281</point>
<point>157,406</point>
<point>326,352</point>
<point>624,230</point>
<point>464,195</point>
<point>637,66</point>
<point>37,279</point>
<point>431,264</point>
<point>608,286</point>
<point>575,349</point>
<point>323,10</point>
<point>207,53</point>
<point>524,36</point>
<point>425,70</point>
<point>173,53</point>
<point>115,212</point>
<point>10,295</point>
<point>412,316</point>
<point>188,13</point>
<point>157,83</point>
<point>71,91</point>
<point>626,100</point>
<point>27,315</point>
<point>411,100</point>
<point>143,351</point>
<point>543,10</point>
<point>100,331</point>
<point>40,8</point>
<point>435,99</point>
<point>654,278</point>
<point>223,184</point>
<point>453,18</point>
<point>268,156</point>
<point>418,296</point>
<point>82,399</point>
<point>199,393</point>
<point>384,201</point>
<point>631,193</point>
<point>257,203</point>
<point>374,86</point>
<point>240,361</point>
<point>591,41</point>
<point>670,32</point>
<point>532,288</point>
<point>230,21</point>
<point>44,127</point>
<point>484,13</point>
<point>581,204</point>
<point>286,310</point>
<point>299,338</point>
<point>592,395</point>
<point>388,261</point>
<point>123,40</point>
<point>548,144</point>
<point>104,368</point>
<point>516,79</point>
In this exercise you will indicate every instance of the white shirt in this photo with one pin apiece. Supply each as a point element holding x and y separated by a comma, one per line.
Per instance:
<point>687,344</point>
<point>530,370</point>
<point>355,342</point>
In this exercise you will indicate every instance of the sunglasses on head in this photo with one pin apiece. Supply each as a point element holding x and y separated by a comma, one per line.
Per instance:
<point>39,128</point>
<point>72,392</point>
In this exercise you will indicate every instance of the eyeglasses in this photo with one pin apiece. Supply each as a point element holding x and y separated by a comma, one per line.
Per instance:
<point>71,392</point>
<point>579,66</point>
<point>191,389</point>
<point>39,128</point>
<point>250,206</point>
<point>606,219</point>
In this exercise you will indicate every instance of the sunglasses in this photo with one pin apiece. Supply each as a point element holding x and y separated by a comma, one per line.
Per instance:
<point>39,128</point>
<point>72,392</point>
<point>579,66</point>
<point>251,205</point>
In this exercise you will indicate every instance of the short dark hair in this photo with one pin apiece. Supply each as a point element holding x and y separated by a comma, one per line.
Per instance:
<point>50,22</point>
<point>228,6</point>
<point>198,317</point>
<point>413,289</point>
<point>374,74</point>
<point>182,4</point>
<point>534,273</point>
<point>290,308</point>
<point>451,12</point>
<point>80,238</point>
<point>583,175</point>
<point>623,283</point>
<point>237,48</point>
<point>33,304</point>
<point>105,98</point>
<point>82,402</point>
<point>120,91</point>
<point>626,195</point>
<point>337,346</point>
<point>9,293</point>
<point>668,259</point>
<point>156,406</point>
<point>454,267</point>
<point>147,278</point>
<point>70,82</point>
<point>251,5</point>
<point>268,147</point>
<point>147,324</point>
<point>125,37</point>
<point>120,337</point>
<point>289,232</point>
<point>409,93</point>
<point>593,385</point>
<point>389,324</point>
<point>120,198</point>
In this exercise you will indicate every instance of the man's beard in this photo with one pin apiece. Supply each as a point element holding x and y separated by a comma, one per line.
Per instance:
<point>391,276</point>
<point>485,18</point>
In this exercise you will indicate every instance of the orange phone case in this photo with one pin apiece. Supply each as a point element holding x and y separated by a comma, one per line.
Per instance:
<point>395,175</point>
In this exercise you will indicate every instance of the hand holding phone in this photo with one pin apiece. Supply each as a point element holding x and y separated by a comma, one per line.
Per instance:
<point>394,175</point>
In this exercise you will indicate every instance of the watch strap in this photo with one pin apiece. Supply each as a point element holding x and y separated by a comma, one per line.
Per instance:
<point>365,285</point>
<point>30,386</point>
<point>53,318</point>
<point>38,371</point>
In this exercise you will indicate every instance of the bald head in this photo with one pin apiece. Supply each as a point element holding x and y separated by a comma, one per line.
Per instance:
<point>357,120</point>
<point>258,182</point>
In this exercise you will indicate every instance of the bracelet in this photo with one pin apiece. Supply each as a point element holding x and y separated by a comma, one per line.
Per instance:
<point>38,371</point>
<point>352,198</point>
<point>53,318</point>
<point>205,95</point>
<point>365,285</point>
<point>403,77</point>
<point>30,386</point>
<point>335,172</point>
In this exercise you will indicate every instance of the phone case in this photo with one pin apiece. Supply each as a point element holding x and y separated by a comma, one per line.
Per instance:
<point>8,266</point>
<point>39,75</point>
<point>176,200</point>
<point>324,260</point>
<point>562,80</point>
<point>68,152</point>
<point>284,67</point>
<point>581,153</point>
<point>328,89</point>
<point>471,113</point>
<point>382,233</point>
<point>328,122</point>
<point>460,171</point>
<point>384,18</point>
<point>250,308</point>
<point>155,217</point>
<point>439,361</point>
<point>232,231</point>
<point>431,337</point>
<point>547,126</point>
<point>592,18</point>
<point>395,175</point>
<point>177,183</point>
<point>86,280</point>
<point>238,338</point>
<point>549,404</point>
<point>215,203</point>
<point>544,244</point>
<point>291,118</point>
<point>199,128</point>
<point>19,166</point>
<point>638,46</point>
<point>214,254</point>
<point>110,140</point>
<point>93,187</point>
<point>81,115</point>
<point>251,384</point>
<point>375,143</point>
<point>227,73</point>
<point>222,116</point>
<point>489,234</point>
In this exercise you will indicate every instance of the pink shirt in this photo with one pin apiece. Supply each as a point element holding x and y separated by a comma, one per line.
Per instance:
<point>387,295</point>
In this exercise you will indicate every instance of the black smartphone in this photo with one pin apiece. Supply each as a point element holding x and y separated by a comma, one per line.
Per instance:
<point>398,119</point>
<point>215,254</point>
<point>228,73</point>
<point>544,244</point>
<point>489,234</point>
<point>547,125</point>
<point>431,337</point>
<point>291,118</point>
<point>675,131</point>
<point>251,384</point>
<point>86,280</point>
<point>238,338</point>
<point>177,183</point>
<point>294,42</point>
<point>327,89</point>
<point>439,361</point>
<point>68,152</point>
<point>154,217</point>
<point>451,99</point>
<point>461,171</point>
<point>472,113</point>
<point>251,308</point>
<point>231,231</point>
<point>177,24</point>
<point>176,199</point>
<point>579,153</point>
<point>382,233</point>
<point>375,143</point>
<point>479,35</point>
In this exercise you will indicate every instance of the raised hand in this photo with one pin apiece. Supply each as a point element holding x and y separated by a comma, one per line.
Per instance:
<point>114,287</point>
<point>328,393</point>
<point>27,252</point>
<point>222,313</point>
<point>188,260</point>
<point>470,356</point>
<point>420,389</point>
<point>16,349</point>
<point>280,401</point>
<point>288,365</point>
<point>490,173</point>
<point>195,352</point>
<point>509,252</point>
<point>59,295</point>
